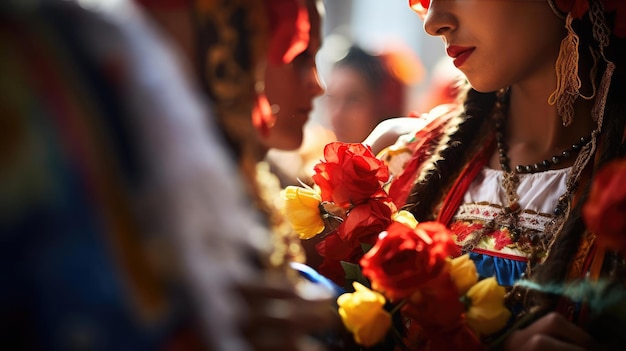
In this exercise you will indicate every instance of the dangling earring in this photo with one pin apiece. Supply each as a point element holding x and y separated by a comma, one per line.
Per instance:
<point>262,118</point>
<point>567,81</point>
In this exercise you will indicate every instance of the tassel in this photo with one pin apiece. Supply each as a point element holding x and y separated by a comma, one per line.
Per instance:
<point>568,82</point>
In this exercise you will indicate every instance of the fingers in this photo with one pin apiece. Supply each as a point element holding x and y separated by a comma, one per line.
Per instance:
<point>283,324</point>
<point>277,317</point>
<point>556,326</point>
<point>552,332</point>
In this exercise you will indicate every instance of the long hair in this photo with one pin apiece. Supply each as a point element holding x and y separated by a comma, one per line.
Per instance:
<point>461,141</point>
<point>610,146</point>
<point>453,150</point>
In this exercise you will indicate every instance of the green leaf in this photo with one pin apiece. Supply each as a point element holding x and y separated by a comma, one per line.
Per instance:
<point>366,247</point>
<point>353,274</point>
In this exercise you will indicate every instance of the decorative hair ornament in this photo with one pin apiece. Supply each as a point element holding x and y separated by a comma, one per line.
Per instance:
<point>420,7</point>
<point>601,33</point>
<point>568,81</point>
<point>578,8</point>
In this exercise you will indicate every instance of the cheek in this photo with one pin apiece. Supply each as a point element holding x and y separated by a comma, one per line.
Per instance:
<point>281,84</point>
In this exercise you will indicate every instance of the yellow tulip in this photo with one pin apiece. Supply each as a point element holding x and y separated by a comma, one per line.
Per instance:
<point>463,273</point>
<point>406,218</point>
<point>487,313</point>
<point>363,315</point>
<point>301,209</point>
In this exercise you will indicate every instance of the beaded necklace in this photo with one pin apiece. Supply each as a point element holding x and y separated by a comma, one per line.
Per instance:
<point>529,240</point>
<point>510,180</point>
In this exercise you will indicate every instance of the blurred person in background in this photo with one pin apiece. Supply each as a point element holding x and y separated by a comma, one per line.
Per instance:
<point>444,85</point>
<point>125,222</point>
<point>362,90</point>
<point>365,89</point>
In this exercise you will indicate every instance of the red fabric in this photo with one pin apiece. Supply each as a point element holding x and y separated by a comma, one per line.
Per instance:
<point>289,30</point>
<point>401,187</point>
<point>458,190</point>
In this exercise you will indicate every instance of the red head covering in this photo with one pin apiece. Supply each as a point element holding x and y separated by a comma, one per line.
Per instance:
<point>289,29</point>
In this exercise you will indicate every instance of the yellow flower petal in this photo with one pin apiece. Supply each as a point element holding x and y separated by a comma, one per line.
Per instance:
<point>463,273</point>
<point>487,313</point>
<point>301,209</point>
<point>406,218</point>
<point>363,315</point>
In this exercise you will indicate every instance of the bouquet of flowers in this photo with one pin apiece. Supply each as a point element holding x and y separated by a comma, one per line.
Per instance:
<point>389,263</point>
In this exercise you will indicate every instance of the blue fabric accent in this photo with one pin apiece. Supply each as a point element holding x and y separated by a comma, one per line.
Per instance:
<point>312,275</point>
<point>506,271</point>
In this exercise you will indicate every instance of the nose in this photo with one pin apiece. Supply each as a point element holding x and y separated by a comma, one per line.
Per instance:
<point>440,19</point>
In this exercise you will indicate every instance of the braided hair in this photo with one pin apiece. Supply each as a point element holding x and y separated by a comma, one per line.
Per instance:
<point>455,148</point>
<point>451,152</point>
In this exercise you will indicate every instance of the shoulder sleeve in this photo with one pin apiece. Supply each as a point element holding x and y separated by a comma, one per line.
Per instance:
<point>397,154</point>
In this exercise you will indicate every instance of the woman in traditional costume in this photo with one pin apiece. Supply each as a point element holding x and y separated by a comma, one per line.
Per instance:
<point>510,169</point>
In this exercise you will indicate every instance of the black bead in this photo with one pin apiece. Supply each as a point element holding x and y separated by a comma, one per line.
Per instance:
<point>566,154</point>
<point>537,167</point>
<point>520,169</point>
<point>576,147</point>
<point>529,169</point>
<point>545,163</point>
<point>556,160</point>
<point>557,210</point>
<point>515,234</point>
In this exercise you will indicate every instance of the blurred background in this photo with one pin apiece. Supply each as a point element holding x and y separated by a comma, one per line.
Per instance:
<point>392,34</point>
<point>380,26</point>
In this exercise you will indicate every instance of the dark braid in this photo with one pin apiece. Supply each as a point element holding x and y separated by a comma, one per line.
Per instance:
<point>454,149</point>
<point>557,265</point>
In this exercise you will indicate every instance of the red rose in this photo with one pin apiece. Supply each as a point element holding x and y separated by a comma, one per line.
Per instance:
<point>437,305</point>
<point>605,211</point>
<point>350,174</point>
<point>366,220</point>
<point>405,260</point>
<point>334,250</point>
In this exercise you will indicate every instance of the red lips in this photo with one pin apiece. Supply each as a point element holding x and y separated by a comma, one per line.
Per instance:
<point>459,53</point>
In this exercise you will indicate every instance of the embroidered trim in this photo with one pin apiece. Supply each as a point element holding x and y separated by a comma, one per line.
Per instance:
<point>500,255</point>
<point>485,211</point>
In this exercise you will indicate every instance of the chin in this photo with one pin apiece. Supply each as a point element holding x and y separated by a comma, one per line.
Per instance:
<point>290,146</point>
<point>284,143</point>
<point>484,86</point>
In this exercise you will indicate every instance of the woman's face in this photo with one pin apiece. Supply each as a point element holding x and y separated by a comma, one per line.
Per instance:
<point>351,105</point>
<point>498,43</point>
<point>290,90</point>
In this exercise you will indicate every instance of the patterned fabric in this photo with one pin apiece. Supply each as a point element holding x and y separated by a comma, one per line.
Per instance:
<point>499,252</point>
<point>64,198</point>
